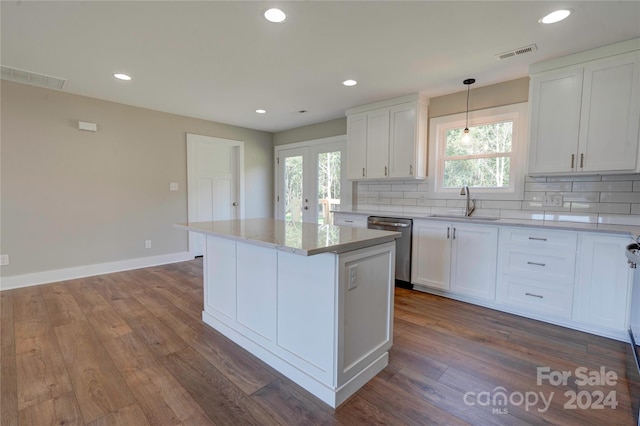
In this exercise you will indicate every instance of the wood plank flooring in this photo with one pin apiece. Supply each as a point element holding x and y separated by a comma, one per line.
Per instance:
<point>130,348</point>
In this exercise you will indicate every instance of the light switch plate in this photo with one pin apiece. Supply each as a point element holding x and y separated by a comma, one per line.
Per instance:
<point>173,186</point>
<point>4,259</point>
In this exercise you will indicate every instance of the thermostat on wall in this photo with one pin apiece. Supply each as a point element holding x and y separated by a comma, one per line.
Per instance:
<point>91,127</point>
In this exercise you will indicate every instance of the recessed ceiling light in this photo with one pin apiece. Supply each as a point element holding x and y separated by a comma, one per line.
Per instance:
<point>349,82</point>
<point>261,111</point>
<point>275,15</point>
<point>555,16</point>
<point>122,76</point>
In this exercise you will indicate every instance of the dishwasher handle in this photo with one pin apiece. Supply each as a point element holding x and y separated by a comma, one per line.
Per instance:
<point>395,224</point>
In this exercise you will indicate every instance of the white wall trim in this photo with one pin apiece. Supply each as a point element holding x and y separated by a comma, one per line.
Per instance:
<point>44,277</point>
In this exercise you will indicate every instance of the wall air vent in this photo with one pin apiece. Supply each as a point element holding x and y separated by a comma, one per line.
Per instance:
<point>516,52</point>
<point>32,78</point>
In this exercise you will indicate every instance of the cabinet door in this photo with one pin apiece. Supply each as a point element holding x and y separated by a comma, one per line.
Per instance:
<point>356,146</point>
<point>610,113</point>
<point>474,253</point>
<point>604,282</point>
<point>378,144</point>
<point>555,120</point>
<point>402,143</point>
<point>431,254</point>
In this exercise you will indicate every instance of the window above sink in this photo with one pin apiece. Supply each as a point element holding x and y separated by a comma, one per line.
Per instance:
<point>492,164</point>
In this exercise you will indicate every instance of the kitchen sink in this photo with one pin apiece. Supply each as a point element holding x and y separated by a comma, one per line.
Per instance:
<point>471,218</point>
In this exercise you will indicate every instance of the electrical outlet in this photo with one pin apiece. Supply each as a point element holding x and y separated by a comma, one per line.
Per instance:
<point>4,259</point>
<point>173,186</point>
<point>147,244</point>
<point>552,201</point>
<point>353,277</point>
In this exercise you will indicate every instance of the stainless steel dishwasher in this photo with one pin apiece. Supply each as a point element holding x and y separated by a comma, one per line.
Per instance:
<point>403,244</point>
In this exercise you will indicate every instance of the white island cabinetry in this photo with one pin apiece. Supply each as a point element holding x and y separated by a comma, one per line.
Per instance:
<point>313,301</point>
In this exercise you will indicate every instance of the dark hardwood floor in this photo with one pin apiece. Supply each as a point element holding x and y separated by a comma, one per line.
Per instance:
<point>130,348</point>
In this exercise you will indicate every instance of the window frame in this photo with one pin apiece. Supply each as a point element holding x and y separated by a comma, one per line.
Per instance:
<point>438,126</point>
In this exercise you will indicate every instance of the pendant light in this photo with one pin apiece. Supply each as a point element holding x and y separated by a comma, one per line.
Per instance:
<point>466,137</point>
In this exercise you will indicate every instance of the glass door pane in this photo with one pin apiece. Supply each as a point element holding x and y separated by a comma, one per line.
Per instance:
<point>293,188</point>
<point>329,168</point>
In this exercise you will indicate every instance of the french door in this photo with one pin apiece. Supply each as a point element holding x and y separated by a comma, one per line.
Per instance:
<point>309,181</point>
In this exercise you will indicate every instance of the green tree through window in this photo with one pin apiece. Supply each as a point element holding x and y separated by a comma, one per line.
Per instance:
<point>484,161</point>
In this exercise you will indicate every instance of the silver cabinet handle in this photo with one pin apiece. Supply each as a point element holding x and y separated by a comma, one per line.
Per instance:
<point>539,296</point>
<point>537,239</point>
<point>448,232</point>
<point>454,234</point>
<point>385,170</point>
<point>573,160</point>
<point>536,264</point>
<point>348,221</point>
<point>306,207</point>
<point>235,204</point>
<point>410,170</point>
<point>363,172</point>
<point>581,160</point>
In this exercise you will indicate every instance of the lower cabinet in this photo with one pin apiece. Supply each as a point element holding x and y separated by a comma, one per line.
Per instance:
<point>603,284</point>
<point>353,220</point>
<point>575,279</point>
<point>536,271</point>
<point>457,257</point>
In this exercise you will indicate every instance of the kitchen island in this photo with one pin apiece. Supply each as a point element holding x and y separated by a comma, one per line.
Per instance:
<point>315,302</point>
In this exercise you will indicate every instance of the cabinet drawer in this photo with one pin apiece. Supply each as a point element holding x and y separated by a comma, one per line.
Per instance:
<point>542,239</point>
<point>557,301</point>
<point>353,220</point>
<point>554,266</point>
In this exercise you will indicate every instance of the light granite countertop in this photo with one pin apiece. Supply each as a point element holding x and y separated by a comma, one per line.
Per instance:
<point>294,237</point>
<point>555,223</point>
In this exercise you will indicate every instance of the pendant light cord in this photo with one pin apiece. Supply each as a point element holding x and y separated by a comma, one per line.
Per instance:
<point>466,124</point>
<point>468,82</point>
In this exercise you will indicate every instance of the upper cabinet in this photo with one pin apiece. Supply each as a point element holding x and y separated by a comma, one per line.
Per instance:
<point>388,139</point>
<point>585,116</point>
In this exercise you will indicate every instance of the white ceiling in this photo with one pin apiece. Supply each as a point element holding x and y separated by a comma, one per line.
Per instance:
<point>221,61</point>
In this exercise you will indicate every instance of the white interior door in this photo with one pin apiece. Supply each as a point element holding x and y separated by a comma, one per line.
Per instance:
<point>310,181</point>
<point>214,177</point>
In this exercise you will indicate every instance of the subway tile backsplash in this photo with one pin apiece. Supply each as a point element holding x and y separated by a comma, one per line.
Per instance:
<point>611,199</point>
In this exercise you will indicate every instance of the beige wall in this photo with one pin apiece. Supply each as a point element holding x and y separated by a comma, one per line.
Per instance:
<point>73,198</point>
<point>506,93</point>
<point>311,132</point>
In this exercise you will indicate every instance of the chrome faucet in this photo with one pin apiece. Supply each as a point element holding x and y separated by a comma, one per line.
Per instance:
<point>469,208</point>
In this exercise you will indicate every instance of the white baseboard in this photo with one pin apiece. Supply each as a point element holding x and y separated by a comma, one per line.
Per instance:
<point>36,278</point>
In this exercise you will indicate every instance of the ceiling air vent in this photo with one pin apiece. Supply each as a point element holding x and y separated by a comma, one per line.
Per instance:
<point>516,52</point>
<point>28,77</point>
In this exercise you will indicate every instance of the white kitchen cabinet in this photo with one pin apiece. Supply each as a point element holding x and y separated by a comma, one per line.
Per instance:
<point>457,257</point>
<point>585,117</point>
<point>554,140</point>
<point>353,220</point>
<point>473,260</point>
<point>387,139</point>
<point>407,154</point>
<point>378,144</point>
<point>536,271</point>
<point>604,280</point>
<point>431,254</point>
<point>357,146</point>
